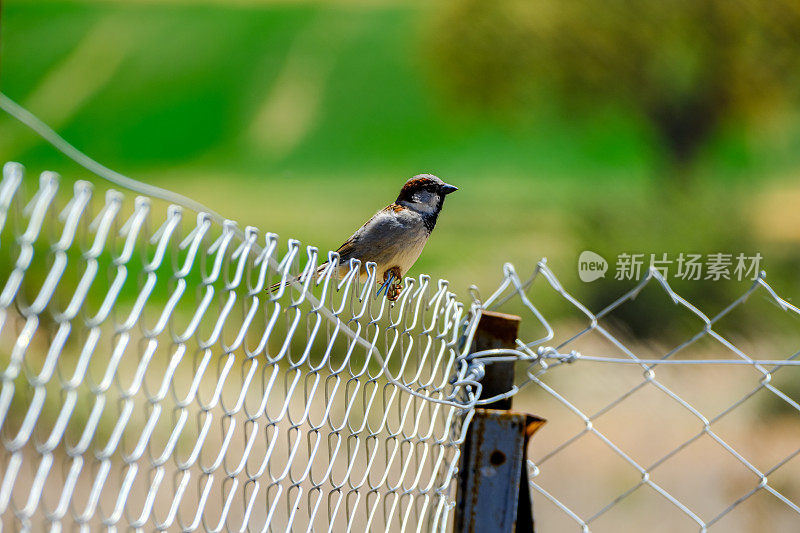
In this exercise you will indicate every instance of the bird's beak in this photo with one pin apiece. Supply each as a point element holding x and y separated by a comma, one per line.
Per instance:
<point>447,189</point>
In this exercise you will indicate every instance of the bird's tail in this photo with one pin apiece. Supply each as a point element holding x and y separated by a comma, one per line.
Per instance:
<point>299,277</point>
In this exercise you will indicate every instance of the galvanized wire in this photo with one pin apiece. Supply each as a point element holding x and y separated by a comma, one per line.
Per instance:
<point>549,356</point>
<point>149,379</point>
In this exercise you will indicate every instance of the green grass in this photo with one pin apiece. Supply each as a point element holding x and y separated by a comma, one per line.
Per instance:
<point>192,82</point>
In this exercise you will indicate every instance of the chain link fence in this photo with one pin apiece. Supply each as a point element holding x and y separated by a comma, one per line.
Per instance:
<point>151,380</point>
<point>694,435</point>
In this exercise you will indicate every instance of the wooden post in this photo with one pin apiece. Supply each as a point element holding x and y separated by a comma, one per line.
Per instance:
<point>493,493</point>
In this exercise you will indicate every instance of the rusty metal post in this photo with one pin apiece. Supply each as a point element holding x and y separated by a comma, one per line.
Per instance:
<point>497,330</point>
<point>493,493</point>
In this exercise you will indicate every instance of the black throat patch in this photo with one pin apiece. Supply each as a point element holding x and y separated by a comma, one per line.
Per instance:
<point>429,219</point>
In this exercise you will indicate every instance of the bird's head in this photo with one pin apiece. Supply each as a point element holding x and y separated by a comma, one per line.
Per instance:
<point>425,193</point>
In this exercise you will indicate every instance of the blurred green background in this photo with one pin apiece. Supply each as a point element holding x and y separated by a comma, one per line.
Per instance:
<point>617,127</point>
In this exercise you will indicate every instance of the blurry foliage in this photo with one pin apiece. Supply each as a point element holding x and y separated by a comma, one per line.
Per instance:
<point>177,111</point>
<point>685,67</point>
<point>703,224</point>
<point>713,220</point>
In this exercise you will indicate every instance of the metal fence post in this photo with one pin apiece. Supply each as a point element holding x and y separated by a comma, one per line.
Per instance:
<point>493,493</point>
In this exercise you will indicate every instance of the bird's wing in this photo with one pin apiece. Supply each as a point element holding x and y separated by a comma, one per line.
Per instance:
<point>392,234</point>
<point>379,232</point>
<point>347,249</point>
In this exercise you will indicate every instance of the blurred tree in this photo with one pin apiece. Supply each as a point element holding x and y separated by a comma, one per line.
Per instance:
<point>684,66</point>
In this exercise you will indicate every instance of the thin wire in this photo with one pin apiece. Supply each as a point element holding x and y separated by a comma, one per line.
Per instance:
<point>276,384</point>
<point>61,144</point>
<point>598,359</point>
<point>498,355</point>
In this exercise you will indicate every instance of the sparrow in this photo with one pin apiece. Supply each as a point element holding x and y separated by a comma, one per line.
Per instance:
<point>394,237</point>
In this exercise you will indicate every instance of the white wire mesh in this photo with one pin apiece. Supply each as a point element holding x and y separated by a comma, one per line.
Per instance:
<point>150,381</point>
<point>676,440</point>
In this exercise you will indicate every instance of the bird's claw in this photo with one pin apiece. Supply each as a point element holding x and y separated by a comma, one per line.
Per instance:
<point>392,284</point>
<point>393,292</point>
<point>385,285</point>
